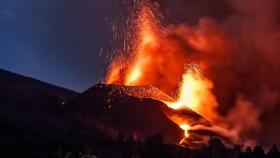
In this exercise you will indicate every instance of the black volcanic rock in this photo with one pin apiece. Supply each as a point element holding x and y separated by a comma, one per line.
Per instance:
<point>28,100</point>
<point>111,109</point>
<point>131,110</point>
<point>36,116</point>
<point>30,114</point>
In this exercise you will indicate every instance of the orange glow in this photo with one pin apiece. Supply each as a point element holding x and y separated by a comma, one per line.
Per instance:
<point>195,93</point>
<point>185,127</point>
<point>159,59</point>
<point>147,39</point>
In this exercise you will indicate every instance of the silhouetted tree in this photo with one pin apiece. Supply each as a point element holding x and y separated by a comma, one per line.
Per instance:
<point>258,152</point>
<point>153,147</point>
<point>216,148</point>
<point>120,138</point>
<point>247,154</point>
<point>155,141</point>
<point>273,152</point>
<point>235,152</point>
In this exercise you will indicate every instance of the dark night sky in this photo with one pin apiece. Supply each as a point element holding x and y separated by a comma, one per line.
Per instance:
<point>57,41</point>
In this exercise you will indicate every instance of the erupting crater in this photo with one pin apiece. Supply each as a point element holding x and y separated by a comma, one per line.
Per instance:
<point>137,112</point>
<point>158,63</point>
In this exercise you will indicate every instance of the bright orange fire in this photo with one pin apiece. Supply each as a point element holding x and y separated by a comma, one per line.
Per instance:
<point>195,93</point>
<point>160,61</point>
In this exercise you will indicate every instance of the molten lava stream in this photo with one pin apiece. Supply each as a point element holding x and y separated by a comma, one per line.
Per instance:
<point>150,62</point>
<point>192,93</point>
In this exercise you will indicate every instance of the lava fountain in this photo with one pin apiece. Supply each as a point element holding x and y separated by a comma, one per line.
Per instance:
<point>160,61</point>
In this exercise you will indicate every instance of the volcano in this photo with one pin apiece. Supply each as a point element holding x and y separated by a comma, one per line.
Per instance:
<point>34,112</point>
<point>133,111</point>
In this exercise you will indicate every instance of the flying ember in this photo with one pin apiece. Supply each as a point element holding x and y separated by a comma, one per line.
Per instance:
<point>158,60</point>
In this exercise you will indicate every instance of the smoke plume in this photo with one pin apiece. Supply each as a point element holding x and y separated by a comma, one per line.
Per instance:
<point>236,43</point>
<point>239,44</point>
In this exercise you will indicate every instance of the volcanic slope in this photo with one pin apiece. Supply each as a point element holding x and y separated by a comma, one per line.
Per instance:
<point>130,110</point>
<point>29,112</point>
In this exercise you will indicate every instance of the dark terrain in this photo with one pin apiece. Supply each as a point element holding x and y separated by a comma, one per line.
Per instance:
<point>42,120</point>
<point>30,114</point>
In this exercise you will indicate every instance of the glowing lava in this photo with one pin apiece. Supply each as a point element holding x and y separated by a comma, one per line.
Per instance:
<point>185,127</point>
<point>159,61</point>
<point>195,93</point>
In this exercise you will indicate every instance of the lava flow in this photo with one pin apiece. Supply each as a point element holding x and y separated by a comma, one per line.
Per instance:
<point>158,60</point>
